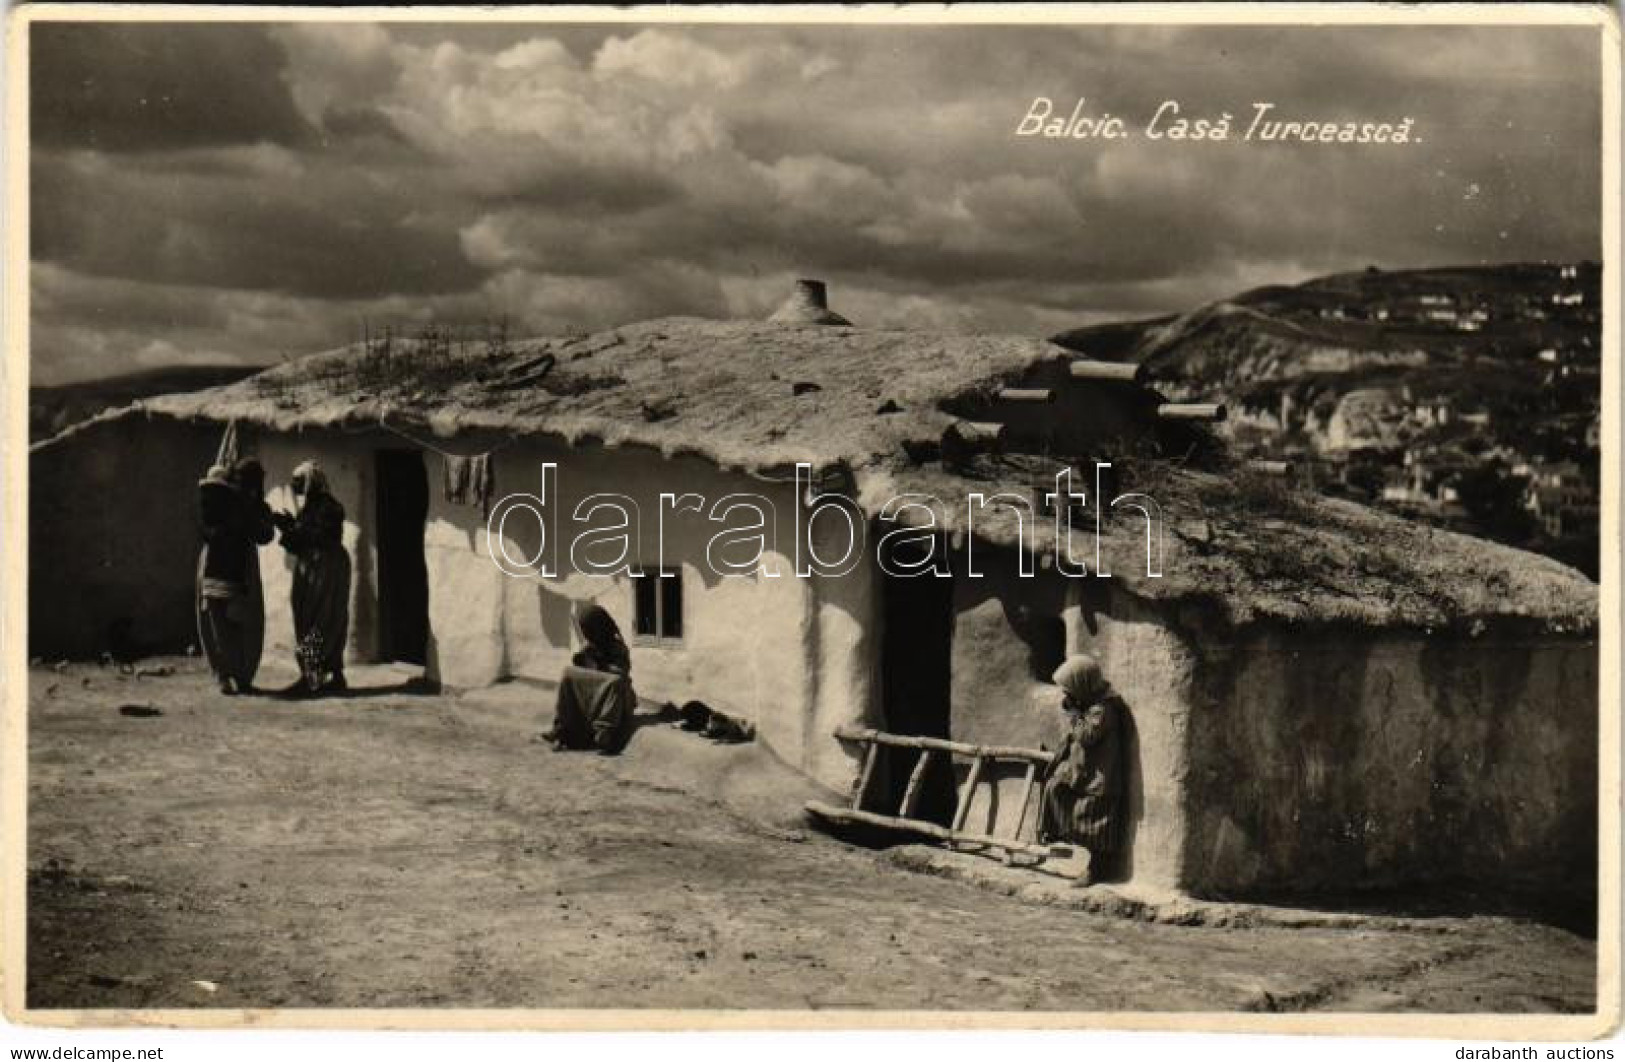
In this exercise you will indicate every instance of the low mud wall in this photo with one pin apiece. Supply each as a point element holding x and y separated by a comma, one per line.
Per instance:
<point>113,538</point>
<point>1339,761</point>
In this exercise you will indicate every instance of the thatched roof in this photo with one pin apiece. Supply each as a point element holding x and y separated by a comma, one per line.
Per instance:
<point>760,396</point>
<point>743,394</point>
<point>1249,549</point>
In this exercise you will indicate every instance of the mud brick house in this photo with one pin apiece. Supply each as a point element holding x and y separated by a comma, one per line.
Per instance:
<point>1323,697</point>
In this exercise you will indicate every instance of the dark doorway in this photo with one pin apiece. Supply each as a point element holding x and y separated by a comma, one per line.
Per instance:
<point>403,577</point>
<point>917,672</point>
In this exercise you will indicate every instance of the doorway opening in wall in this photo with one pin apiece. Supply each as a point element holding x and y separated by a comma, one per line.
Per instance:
<point>403,574</point>
<point>917,673</point>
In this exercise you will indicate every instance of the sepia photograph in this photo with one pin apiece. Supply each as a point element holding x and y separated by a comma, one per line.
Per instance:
<point>647,517</point>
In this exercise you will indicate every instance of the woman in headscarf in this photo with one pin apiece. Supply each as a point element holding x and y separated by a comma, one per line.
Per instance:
<point>321,579</point>
<point>1083,787</point>
<point>602,647</point>
<point>595,701</point>
<point>235,522</point>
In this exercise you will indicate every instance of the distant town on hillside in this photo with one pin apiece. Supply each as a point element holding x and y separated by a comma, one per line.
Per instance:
<point>1468,398</point>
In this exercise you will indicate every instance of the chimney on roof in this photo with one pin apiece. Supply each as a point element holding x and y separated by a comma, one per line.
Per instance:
<point>808,304</point>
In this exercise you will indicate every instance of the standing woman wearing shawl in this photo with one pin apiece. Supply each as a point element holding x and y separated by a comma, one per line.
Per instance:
<point>595,702</point>
<point>235,522</point>
<point>1083,788</point>
<point>321,580</point>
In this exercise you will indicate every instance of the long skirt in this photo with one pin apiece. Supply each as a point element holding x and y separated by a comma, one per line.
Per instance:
<point>321,612</point>
<point>594,709</point>
<point>1081,818</point>
<point>231,627</point>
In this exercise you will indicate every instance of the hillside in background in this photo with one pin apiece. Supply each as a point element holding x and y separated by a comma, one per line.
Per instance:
<point>52,409</point>
<point>1466,397</point>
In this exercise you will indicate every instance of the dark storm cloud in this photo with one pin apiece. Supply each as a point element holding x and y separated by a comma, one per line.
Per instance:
<point>579,177</point>
<point>147,86</point>
<point>287,225</point>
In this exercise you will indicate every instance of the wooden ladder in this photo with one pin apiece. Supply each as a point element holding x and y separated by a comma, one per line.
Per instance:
<point>955,835</point>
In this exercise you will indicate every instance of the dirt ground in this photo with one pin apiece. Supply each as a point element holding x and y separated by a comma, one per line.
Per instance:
<point>402,849</point>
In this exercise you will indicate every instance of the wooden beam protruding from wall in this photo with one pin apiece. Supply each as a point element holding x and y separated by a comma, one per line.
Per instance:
<point>1191,411</point>
<point>1088,369</point>
<point>1027,394</point>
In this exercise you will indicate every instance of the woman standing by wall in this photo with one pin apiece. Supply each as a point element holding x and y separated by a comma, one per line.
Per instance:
<point>235,522</point>
<point>321,580</point>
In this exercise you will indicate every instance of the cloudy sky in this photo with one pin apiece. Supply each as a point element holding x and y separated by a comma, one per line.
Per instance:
<point>242,192</point>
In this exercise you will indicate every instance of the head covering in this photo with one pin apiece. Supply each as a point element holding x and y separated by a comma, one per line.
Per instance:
<point>315,479</point>
<point>1082,679</point>
<point>249,474</point>
<point>597,627</point>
